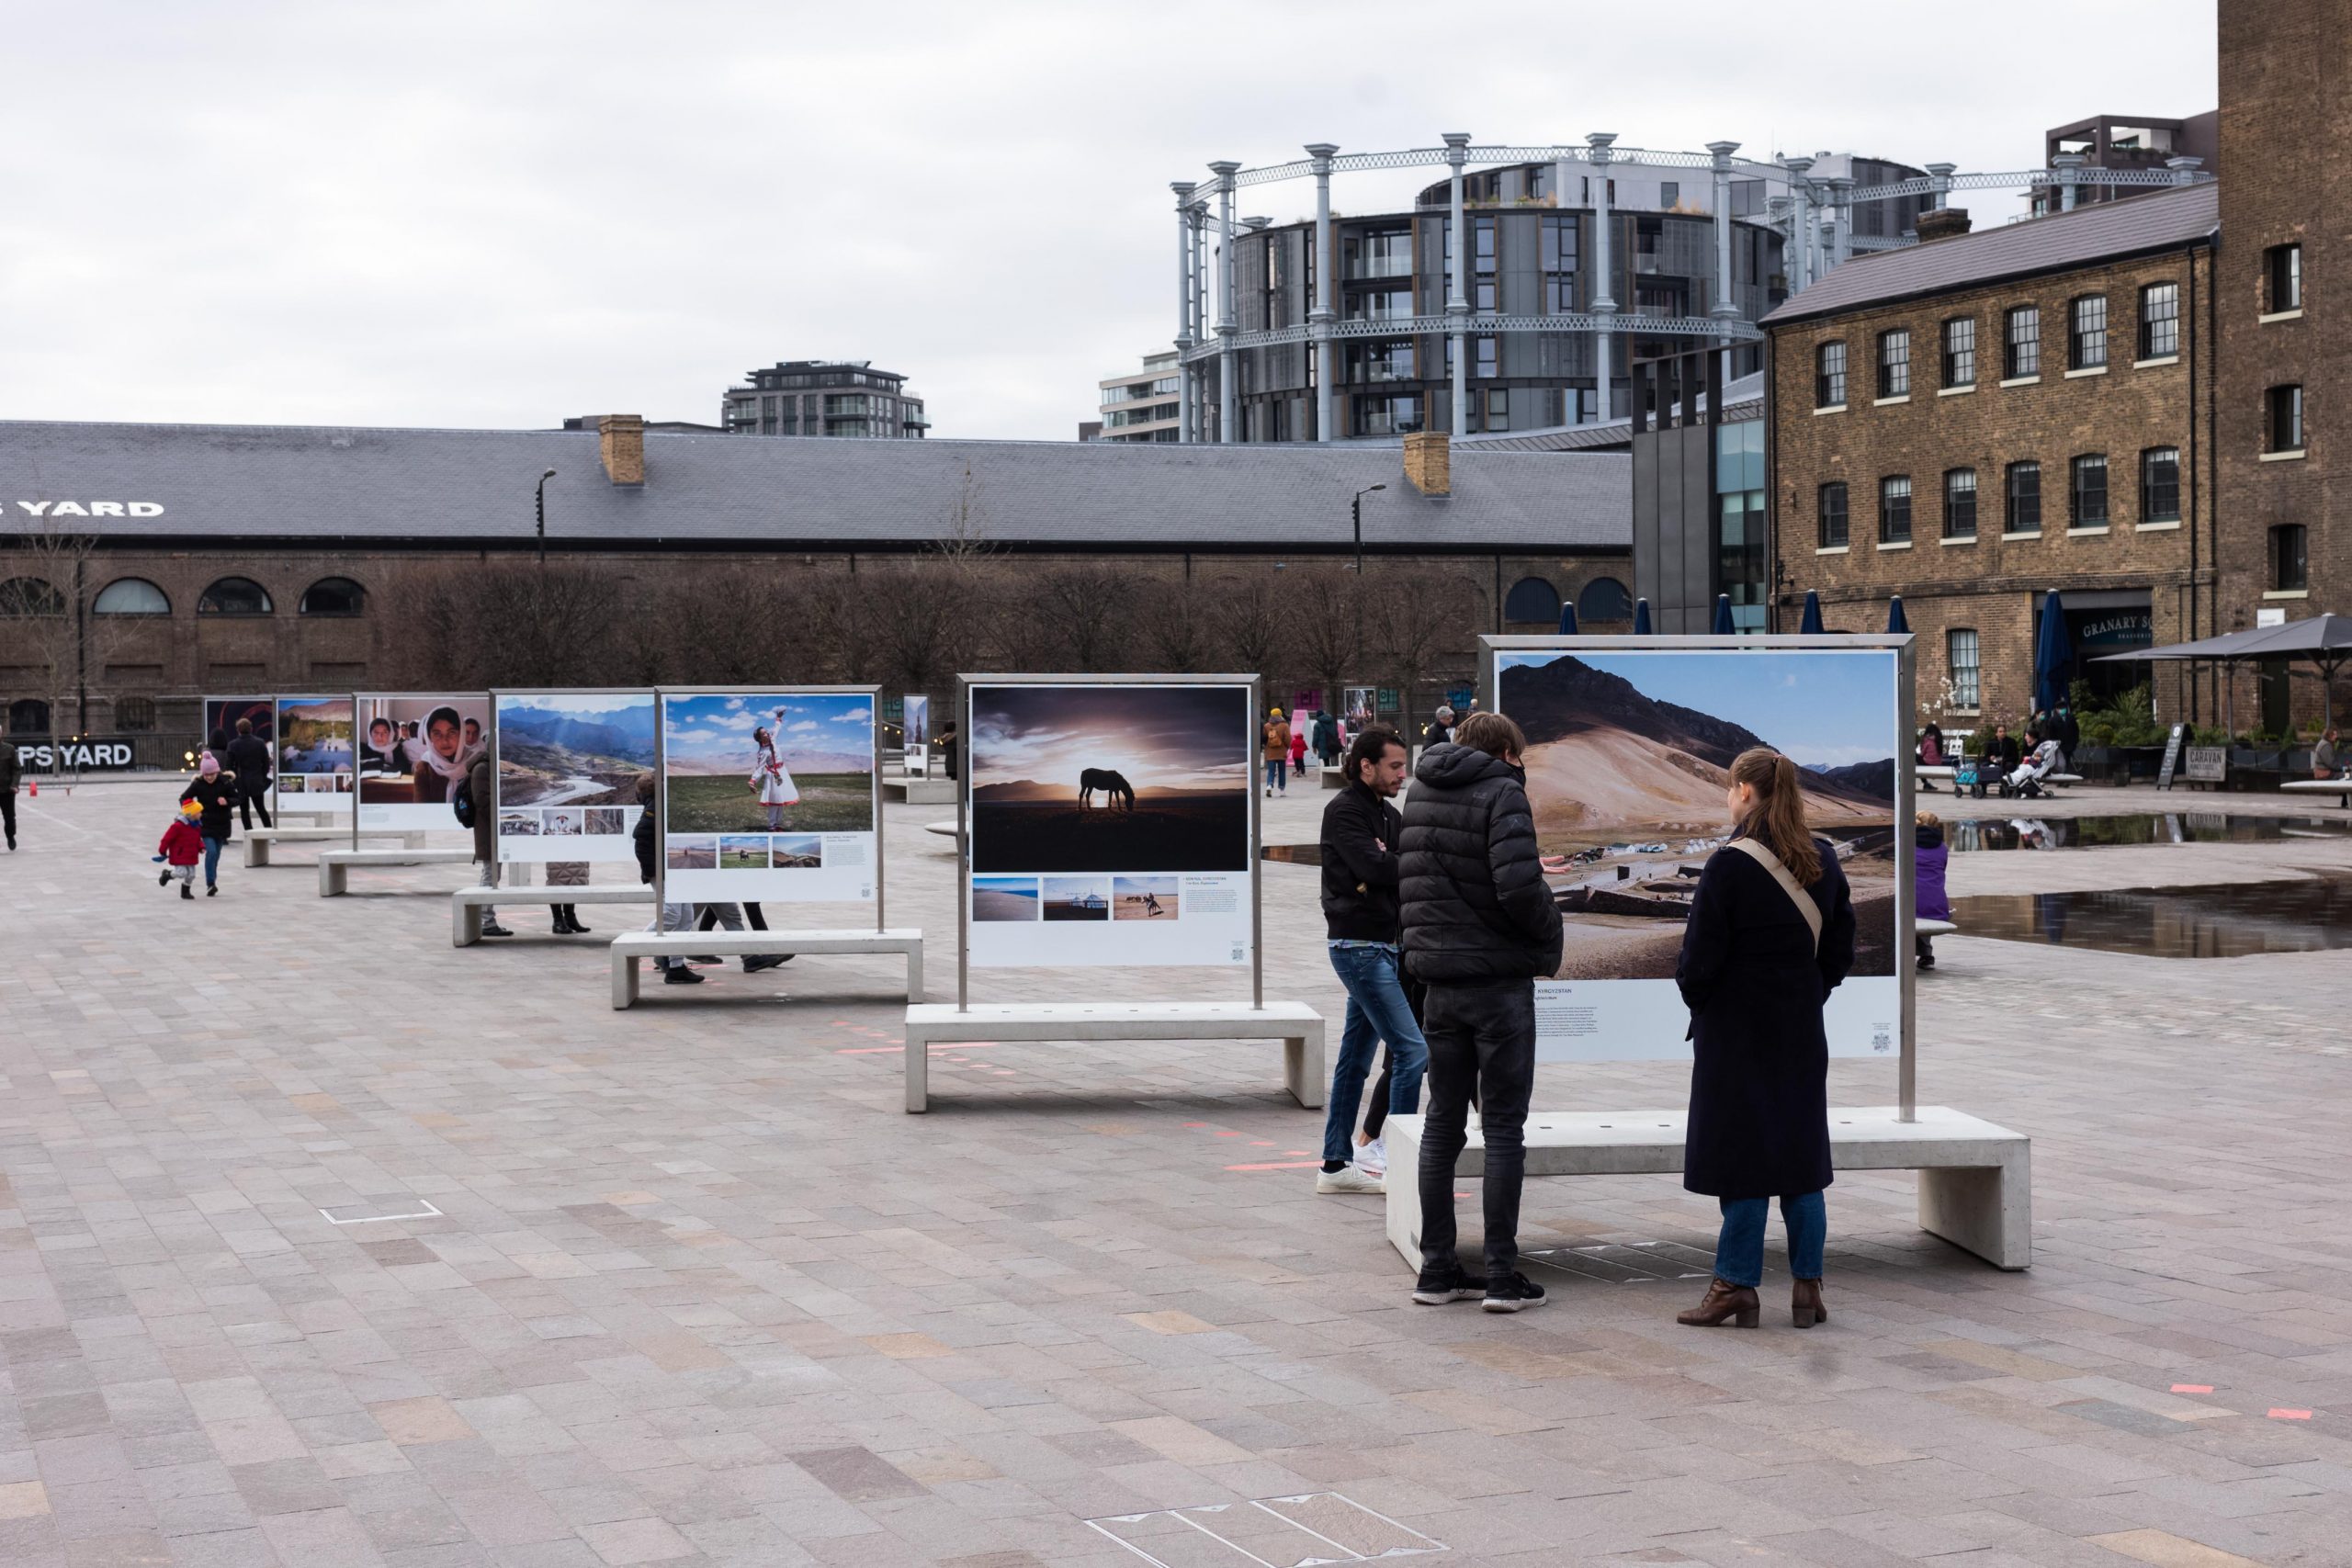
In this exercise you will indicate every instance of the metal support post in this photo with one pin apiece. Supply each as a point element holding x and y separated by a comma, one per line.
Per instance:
<point>2066,164</point>
<point>1571,405</point>
<point>1726,306</point>
<point>1325,265</point>
<point>1457,300</point>
<point>1200,410</point>
<point>1801,234</point>
<point>1184,338</point>
<point>1841,219</point>
<point>1604,298</point>
<point>1227,301</point>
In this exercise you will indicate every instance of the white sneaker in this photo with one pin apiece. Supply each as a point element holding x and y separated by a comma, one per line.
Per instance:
<point>1374,1157</point>
<point>1349,1179</point>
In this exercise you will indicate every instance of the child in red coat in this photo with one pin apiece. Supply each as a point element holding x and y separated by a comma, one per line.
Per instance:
<point>182,846</point>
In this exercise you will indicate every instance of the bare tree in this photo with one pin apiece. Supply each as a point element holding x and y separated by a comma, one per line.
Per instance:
<point>1413,618</point>
<point>558,624</point>
<point>1176,633</point>
<point>65,643</point>
<point>1088,611</point>
<point>1246,613</point>
<point>1328,629</point>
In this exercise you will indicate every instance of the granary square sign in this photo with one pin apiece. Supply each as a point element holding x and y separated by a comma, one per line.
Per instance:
<point>92,509</point>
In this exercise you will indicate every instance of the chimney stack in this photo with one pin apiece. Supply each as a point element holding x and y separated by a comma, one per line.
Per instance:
<point>1942,224</point>
<point>1429,462</point>
<point>620,441</point>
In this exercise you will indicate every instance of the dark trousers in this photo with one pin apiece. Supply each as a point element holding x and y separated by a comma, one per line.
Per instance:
<point>255,800</point>
<point>751,912</point>
<point>1482,1041</point>
<point>8,804</point>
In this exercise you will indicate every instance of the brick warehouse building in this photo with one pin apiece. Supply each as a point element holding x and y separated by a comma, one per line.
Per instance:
<point>1983,417</point>
<point>225,559</point>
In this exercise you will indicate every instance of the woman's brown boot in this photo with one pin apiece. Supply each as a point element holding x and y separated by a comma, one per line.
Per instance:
<point>1804,1303</point>
<point>1735,1301</point>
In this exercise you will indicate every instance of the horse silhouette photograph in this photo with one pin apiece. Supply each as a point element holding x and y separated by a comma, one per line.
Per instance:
<point>1110,779</point>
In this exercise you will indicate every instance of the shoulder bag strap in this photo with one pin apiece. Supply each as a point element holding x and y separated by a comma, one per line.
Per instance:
<point>1757,850</point>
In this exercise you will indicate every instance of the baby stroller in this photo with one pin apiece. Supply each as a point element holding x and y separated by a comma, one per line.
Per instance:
<point>1968,777</point>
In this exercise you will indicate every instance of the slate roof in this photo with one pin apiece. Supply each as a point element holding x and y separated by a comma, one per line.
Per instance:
<point>456,487</point>
<point>2106,231</point>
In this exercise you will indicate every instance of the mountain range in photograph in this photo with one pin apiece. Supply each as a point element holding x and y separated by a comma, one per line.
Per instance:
<point>547,757</point>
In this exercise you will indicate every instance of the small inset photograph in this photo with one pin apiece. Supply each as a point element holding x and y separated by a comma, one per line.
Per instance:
<point>1143,898</point>
<point>562,821</point>
<point>607,822</point>
<point>1005,898</point>
<point>292,783</point>
<point>1078,899</point>
<point>342,783</point>
<point>513,824</point>
<point>694,852</point>
<point>796,852</point>
<point>743,851</point>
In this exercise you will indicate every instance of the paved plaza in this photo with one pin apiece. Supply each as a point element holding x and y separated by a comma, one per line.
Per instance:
<point>325,1244</point>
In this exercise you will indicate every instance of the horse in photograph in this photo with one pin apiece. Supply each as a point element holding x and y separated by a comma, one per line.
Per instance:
<point>1111,783</point>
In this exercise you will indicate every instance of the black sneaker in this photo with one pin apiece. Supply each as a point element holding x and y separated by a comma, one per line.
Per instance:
<point>757,962</point>
<point>1514,1292</point>
<point>1437,1287</point>
<point>681,975</point>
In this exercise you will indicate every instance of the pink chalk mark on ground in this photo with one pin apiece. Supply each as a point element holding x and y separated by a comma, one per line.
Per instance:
<point>2192,1387</point>
<point>1295,1164</point>
<point>2285,1414</point>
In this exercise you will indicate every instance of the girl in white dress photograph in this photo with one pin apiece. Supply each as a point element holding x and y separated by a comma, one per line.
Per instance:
<point>770,780</point>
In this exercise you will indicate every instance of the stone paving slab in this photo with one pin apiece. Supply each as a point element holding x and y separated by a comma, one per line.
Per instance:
<point>685,1286</point>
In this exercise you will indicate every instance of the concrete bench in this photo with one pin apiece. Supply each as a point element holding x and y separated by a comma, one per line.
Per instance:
<point>944,830</point>
<point>631,946</point>
<point>1926,773</point>
<point>335,865</point>
<point>2340,788</point>
<point>467,903</point>
<point>1334,778</point>
<point>1297,1025</point>
<point>1975,1179</point>
<point>917,790</point>
<point>259,839</point>
<point>1932,928</point>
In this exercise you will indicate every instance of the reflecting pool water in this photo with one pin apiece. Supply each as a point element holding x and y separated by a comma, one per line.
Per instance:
<point>2135,827</point>
<point>2307,915</point>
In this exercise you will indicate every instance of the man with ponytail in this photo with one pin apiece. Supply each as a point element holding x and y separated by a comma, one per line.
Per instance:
<point>1770,935</point>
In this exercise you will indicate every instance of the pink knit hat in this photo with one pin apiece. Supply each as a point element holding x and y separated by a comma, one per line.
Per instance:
<point>207,761</point>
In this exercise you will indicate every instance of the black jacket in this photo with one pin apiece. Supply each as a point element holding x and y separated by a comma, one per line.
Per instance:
<point>1359,876</point>
<point>11,766</point>
<point>219,800</point>
<point>643,842</point>
<point>248,757</point>
<point>1476,908</point>
<point>1759,1064</point>
<point>2002,752</point>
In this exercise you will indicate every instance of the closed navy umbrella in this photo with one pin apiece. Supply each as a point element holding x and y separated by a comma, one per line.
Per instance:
<point>1568,618</point>
<point>1897,622</point>
<point>2053,656</point>
<point>1641,618</point>
<point>1811,625</point>
<point>1722,615</point>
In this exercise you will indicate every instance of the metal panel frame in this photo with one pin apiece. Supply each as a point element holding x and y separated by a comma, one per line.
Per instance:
<point>964,685</point>
<point>662,695</point>
<point>496,692</point>
<point>490,728</point>
<point>314,695</point>
<point>1906,758</point>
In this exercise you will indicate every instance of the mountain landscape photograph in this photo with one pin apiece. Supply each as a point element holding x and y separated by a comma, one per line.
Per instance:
<point>593,749</point>
<point>1628,759</point>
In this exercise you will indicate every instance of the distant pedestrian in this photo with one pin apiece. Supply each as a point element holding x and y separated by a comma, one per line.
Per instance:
<point>248,757</point>
<point>1273,738</point>
<point>1480,926</point>
<point>1929,899</point>
<point>1327,738</point>
<point>1441,728</point>
<point>672,916</point>
<point>481,797</point>
<point>1298,750</point>
<point>1770,934</point>
<point>182,847</point>
<point>12,769</point>
<point>2323,766</point>
<point>947,741</point>
<point>215,794</point>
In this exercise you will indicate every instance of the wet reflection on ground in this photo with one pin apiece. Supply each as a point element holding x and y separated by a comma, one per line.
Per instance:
<point>2307,915</point>
<point>2135,827</point>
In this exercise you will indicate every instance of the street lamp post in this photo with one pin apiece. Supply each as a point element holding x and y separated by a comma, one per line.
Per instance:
<point>543,516</point>
<point>1356,509</point>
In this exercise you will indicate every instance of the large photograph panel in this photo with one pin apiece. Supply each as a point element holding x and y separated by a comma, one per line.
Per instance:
<point>1628,760</point>
<point>574,770</point>
<point>220,717</point>
<point>769,795</point>
<point>312,740</point>
<point>1110,824</point>
<point>413,753</point>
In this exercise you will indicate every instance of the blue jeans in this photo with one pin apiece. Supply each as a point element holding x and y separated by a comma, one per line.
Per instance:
<point>212,848</point>
<point>1376,1011</point>
<point>1739,1251</point>
<point>1276,770</point>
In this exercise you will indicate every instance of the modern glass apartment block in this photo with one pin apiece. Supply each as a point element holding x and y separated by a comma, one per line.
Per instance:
<point>814,397</point>
<point>1143,405</point>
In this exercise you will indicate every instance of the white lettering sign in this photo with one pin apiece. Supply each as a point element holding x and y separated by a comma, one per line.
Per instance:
<point>90,754</point>
<point>92,509</point>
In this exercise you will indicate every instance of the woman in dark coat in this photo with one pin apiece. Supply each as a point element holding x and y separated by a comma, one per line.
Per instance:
<point>1755,972</point>
<point>216,794</point>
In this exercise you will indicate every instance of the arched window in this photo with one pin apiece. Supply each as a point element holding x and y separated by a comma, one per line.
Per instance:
<point>22,597</point>
<point>234,596</point>
<point>1533,598</point>
<point>130,596</point>
<point>134,715</point>
<point>1604,599</point>
<point>29,716</point>
<point>334,596</point>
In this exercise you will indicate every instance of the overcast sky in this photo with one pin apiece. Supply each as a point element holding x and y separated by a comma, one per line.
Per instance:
<point>495,213</point>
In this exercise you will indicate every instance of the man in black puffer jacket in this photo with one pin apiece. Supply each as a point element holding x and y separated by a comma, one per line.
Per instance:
<point>1480,927</point>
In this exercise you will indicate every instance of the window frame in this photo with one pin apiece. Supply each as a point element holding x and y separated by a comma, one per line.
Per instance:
<point>1895,496</point>
<point>205,605</point>
<point>2152,508</point>
<point>2079,468</point>
<point>2020,353</point>
<point>2160,334</point>
<point>359,595</point>
<point>2291,254</point>
<point>25,597</point>
<point>1968,697</point>
<point>2272,400</point>
<point>156,588</point>
<point>2014,500</point>
<point>1895,363</point>
<point>1825,376</point>
<point>1959,494</point>
<point>2084,338</point>
<point>2282,534</point>
<point>1959,358</point>
<point>1843,512</point>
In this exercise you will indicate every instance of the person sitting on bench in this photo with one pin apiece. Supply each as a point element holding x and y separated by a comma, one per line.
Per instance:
<point>2040,762</point>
